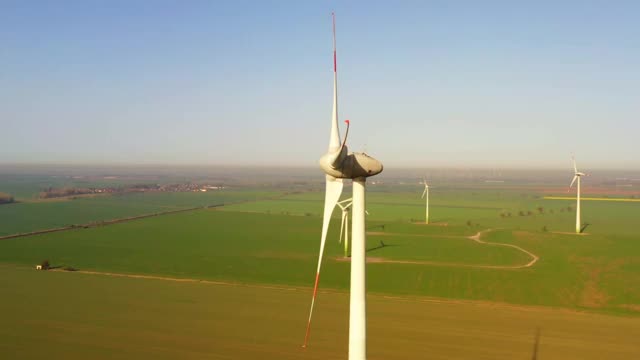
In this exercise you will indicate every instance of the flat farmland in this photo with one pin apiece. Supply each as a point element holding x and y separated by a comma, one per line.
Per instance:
<point>55,213</point>
<point>78,316</point>
<point>233,282</point>
<point>439,261</point>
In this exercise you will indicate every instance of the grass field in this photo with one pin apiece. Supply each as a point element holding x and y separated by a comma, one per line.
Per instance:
<point>33,216</point>
<point>571,292</point>
<point>282,249</point>
<point>74,316</point>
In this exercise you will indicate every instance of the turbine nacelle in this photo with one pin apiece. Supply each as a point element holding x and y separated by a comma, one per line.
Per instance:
<point>350,166</point>
<point>341,164</point>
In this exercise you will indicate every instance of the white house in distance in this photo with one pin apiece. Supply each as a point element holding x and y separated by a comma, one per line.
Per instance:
<point>38,267</point>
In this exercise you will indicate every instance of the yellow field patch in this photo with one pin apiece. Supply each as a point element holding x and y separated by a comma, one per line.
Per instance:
<point>589,199</point>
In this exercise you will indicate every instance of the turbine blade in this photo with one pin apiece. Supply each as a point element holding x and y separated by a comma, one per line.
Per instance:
<point>575,168</point>
<point>572,182</point>
<point>334,140</point>
<point>423,193</point>
<point>332,195</point>
<point>338,156</point>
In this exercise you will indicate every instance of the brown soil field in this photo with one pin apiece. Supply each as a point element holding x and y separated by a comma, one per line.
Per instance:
<point>63,315</point>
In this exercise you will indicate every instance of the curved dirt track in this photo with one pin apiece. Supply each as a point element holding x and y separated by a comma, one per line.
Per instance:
<point>534,257</point>
<point>476,238</point>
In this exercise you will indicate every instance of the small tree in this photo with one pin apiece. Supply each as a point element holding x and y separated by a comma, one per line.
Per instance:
<point>469,223</point>
<point>544,228</point>
<point>540,209</point>
<point>45,265</point>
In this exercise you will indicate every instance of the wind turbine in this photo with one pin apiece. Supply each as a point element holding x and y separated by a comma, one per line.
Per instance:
<point>344,225</point>
<point>339,164</point>
<point>576,176</point>
<point>426,192</point>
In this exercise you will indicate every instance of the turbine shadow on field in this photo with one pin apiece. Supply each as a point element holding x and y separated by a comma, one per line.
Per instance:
<point>382,245</point>
<point>584,227</point>
<point>536,343</point>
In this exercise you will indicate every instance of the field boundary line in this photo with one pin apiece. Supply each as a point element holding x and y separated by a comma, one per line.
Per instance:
<point>387,296</point>
<point>106,222</point>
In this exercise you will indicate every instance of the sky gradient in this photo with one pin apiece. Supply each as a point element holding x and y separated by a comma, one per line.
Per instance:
<point>434,83</point>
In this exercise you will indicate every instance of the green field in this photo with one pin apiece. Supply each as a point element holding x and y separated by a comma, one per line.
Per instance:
<point>273,240</point>
<point>253,243</point>
<point>33,216</point>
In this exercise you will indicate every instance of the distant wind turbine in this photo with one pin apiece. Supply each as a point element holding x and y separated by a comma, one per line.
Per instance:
<point>576,176</point>
<point>339,164</point>
<point>344,225</point>
<point>426,192</point>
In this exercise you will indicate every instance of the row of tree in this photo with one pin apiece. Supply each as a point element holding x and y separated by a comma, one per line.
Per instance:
<point>60,192</point>
<point>540,210</point>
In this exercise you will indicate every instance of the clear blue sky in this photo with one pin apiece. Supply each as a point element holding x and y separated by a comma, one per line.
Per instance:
<point>425,83</point>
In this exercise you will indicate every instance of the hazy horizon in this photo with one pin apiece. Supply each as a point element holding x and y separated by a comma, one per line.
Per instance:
<point>158,168</point>
<point>434,85</point>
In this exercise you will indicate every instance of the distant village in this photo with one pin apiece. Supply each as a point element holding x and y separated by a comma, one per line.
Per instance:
<point>6,198</point>
<point>51,192</point>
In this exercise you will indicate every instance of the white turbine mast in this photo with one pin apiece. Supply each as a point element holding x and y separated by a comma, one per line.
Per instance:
<point>339,164</point>
<point>426,192</point>
<point>576,177</point>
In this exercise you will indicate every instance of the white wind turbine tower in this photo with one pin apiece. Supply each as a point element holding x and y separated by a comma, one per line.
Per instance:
<point>426,192</point>
<point>339,164</point>
<point>576,176</point>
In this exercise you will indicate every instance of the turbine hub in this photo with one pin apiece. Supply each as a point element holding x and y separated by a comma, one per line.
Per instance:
<point>353,166</point>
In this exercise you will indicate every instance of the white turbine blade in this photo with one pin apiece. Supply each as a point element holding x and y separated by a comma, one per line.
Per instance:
<point>337,156</point>
<point>573,181</point>
<point>332,195</point>
<point>334,140</point>
<point>575,168</point>
<point>423,193</point>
